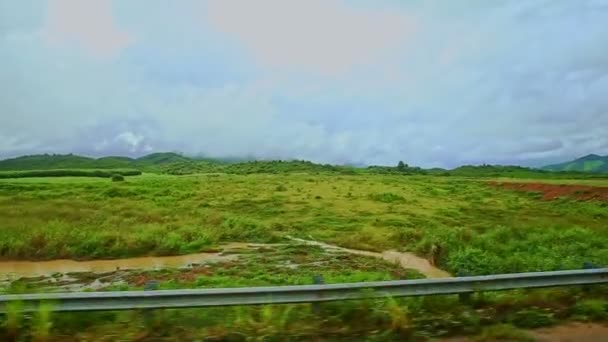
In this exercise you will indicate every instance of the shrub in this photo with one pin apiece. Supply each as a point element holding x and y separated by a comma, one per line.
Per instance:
<point>533,318</point>
<point>591,309</point>
<point>118,178</point>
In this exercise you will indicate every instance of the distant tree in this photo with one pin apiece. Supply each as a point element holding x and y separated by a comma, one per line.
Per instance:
<point>401,166</point>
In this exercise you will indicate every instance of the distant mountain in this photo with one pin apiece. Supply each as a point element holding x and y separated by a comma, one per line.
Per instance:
<point>589,163</point>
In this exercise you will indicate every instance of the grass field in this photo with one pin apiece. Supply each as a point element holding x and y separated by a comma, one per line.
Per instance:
<point>479,229</point>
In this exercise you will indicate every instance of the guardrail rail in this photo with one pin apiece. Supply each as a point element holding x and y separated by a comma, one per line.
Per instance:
<point>129,300</point>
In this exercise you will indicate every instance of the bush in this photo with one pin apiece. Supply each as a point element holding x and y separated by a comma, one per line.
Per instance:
<point>591,309</point>
<point>533,318</point>
<point>118,178</point>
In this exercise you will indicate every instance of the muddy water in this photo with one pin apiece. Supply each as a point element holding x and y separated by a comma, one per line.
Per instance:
<point>405,259</point>
<point>18,269</point>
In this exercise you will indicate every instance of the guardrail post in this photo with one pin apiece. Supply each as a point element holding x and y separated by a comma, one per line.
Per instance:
<point>151,285</point>
<point>317,280</point>
<point>588,266</point>
<point>464,298</point>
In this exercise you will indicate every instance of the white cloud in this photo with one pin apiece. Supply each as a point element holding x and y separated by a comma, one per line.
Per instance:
<point>131,139</point>
<point>90,24</point>
<point>434,85</point>
<point>324,36</point>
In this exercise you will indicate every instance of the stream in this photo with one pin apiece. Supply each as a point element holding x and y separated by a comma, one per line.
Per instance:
<point>405,259</point>
<point>20,269</point>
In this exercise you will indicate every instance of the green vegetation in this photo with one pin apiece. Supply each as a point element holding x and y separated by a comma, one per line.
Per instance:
<point>591,309</point>
<point>492,316</point>
<point>590,163</point>
<point>69,173</point>
<point>516,172</point>
<point>161,215</point>
<point>503,332</point>
<point>456,218</point>
<point>151,162</point>
<point>69,161</point>
<point>176,164</point>
<point>118,178</point>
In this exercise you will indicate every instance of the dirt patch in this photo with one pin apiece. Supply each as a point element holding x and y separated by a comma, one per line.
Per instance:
<point>554,191</point>
<point>572,333</point>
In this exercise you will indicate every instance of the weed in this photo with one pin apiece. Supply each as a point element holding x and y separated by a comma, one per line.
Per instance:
<point>42,323</point>
<point>591,309</point>
<point>533,318</point>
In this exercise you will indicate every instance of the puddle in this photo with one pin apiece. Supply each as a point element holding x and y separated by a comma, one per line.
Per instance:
<point>20,269</point>
<point>405,259</point>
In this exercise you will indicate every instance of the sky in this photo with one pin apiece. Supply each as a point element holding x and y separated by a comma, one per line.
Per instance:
<point>433,83</point>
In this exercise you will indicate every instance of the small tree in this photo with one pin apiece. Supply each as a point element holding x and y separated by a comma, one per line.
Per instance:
<point>401,166</point>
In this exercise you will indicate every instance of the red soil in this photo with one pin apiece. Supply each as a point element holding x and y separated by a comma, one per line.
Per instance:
<point>553,191</point>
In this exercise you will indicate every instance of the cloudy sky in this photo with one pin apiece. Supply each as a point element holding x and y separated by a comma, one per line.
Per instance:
<point>434,83</point>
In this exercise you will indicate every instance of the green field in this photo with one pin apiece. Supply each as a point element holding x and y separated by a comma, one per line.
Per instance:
<point>474,228</point>
<point>479,229</point>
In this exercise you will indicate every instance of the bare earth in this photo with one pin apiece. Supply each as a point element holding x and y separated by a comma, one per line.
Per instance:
<point>553,191</point>
<point>571,332</point>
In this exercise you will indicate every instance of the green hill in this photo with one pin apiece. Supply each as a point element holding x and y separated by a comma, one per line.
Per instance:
<point>71,161</point>
<point>168,163</point>
<point>590,163</point>
<point>176,164</point>
<point>161,159</point>
<point>49,162</point>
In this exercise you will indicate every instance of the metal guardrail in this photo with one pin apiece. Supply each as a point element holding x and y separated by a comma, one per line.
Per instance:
<point>129,300</point>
